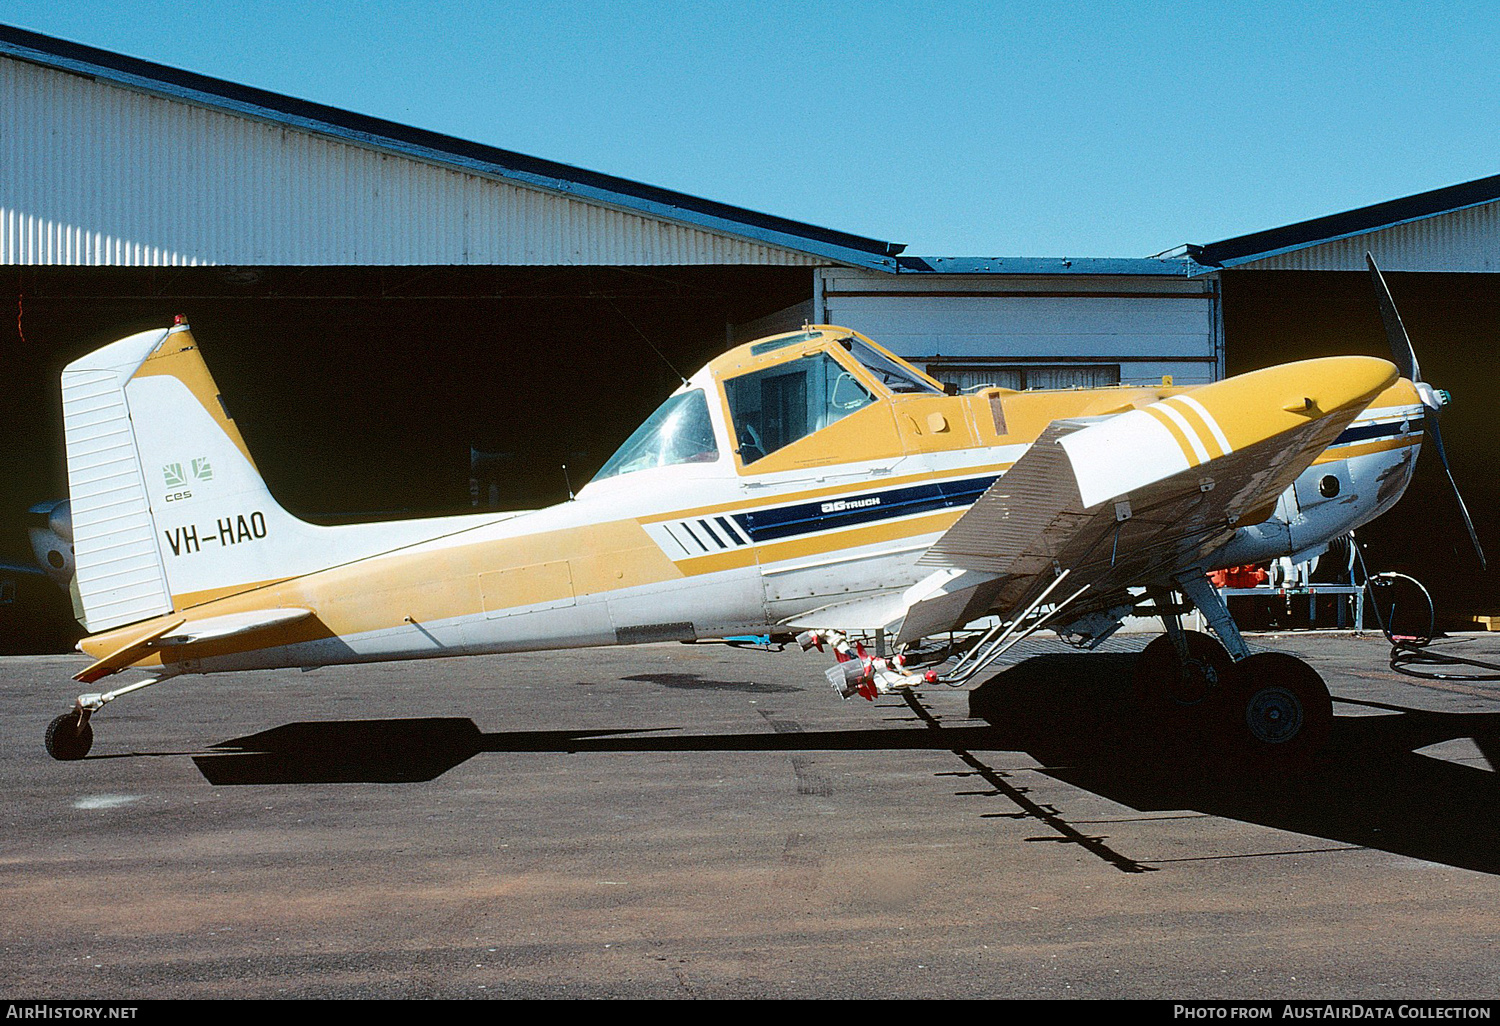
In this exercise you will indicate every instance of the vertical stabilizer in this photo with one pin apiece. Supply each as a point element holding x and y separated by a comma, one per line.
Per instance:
<point>169,509</point>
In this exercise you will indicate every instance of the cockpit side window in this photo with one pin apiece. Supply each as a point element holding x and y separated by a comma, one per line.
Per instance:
<point>680,431</point>
<point>888,372</point>
<point>775,407</point>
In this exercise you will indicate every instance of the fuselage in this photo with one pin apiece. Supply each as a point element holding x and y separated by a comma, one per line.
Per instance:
<point>782,484</point>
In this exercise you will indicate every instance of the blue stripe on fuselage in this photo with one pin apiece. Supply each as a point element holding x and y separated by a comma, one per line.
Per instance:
<point>1366,432</point>
<point>830,514</point>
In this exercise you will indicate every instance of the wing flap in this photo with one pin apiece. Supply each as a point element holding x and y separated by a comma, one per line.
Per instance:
<point>1030,502</point>
<point>868,613</point>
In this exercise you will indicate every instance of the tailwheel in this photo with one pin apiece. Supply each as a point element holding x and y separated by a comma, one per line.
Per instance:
<point>69,736</point>
<point>1169,687</point>
<point>1279,713</point>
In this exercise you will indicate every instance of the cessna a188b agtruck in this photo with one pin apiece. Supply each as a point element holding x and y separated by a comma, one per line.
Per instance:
<point>809,484</point>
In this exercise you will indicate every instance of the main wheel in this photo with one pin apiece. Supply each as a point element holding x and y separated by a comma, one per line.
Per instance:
<point>1166,686</point>
<point>67,739</point>
<point>1279,713</point>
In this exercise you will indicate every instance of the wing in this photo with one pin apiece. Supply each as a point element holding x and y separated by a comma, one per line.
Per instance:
<point>1136,498</point>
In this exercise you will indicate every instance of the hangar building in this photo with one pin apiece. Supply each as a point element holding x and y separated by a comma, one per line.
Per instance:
<point>333,265</point>
<point>409,322</point>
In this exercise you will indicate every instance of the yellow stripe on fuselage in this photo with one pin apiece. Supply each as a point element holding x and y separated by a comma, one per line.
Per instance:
<point>823,544</point>
<point>1344,452</point>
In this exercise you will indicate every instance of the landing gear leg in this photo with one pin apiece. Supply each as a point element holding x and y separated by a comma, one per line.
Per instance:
<point>1180,675</point>
<point>1271,711</point>
<point>70,736</point>
<point>1211,604</point>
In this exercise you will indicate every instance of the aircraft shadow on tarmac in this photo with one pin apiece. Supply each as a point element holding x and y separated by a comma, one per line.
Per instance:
<point>1071,713</point>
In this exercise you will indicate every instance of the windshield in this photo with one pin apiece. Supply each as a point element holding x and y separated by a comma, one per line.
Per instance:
<point>678,432</point>
<point>887,371</point>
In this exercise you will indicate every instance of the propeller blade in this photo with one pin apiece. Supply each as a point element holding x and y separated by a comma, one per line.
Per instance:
<point>1395,331</point>
<point>1430,427</point>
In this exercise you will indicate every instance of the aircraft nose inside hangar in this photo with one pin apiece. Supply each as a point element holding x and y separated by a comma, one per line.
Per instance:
<point>407,322</point>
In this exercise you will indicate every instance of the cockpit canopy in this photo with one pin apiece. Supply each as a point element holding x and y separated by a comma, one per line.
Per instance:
<point>888,370</point>
<point>775,392</point>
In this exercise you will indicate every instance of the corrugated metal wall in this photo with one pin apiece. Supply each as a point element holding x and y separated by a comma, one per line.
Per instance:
<point>1149,326</point>
<point>96,174</point>
<point>1462,240</point>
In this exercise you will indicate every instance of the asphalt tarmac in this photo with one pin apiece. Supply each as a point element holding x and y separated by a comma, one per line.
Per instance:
<point>676,821</point>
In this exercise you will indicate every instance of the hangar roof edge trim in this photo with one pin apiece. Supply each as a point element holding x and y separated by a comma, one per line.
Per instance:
<point>1140,266</point>
<point>1360,221</point>
<point>537,172</point>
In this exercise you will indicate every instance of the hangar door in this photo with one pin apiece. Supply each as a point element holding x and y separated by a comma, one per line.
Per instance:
<point>1035,330</point>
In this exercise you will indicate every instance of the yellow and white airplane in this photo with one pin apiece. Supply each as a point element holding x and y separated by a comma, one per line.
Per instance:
<point>809,482</point>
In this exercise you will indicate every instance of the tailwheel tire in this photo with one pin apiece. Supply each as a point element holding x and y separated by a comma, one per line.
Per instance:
<point>1279,713</point>
<point>67,739</point>
<point>1165,686</point>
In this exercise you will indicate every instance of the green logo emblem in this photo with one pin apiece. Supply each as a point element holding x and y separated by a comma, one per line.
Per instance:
<point>175,478</point>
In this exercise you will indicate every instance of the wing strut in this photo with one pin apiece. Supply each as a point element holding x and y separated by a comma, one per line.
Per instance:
<point>997,640</point>
<point>1195,585</point>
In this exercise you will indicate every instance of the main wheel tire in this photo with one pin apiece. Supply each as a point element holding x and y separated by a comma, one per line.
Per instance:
<point>1165,686</point>
<point>66,740</point>
<point>1279,713</point>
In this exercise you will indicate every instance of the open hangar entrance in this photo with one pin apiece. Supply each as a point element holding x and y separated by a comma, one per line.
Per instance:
<point>1276,316</point>
<point>362,390</point>
<point>369,391</point>
<point>1304,290</point>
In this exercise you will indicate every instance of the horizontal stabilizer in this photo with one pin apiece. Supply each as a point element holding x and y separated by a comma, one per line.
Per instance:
<point>233,624</point>
<point>185,632</point>
<point>135,648</point>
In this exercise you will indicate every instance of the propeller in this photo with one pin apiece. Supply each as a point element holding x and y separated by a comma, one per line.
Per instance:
<point>1433,400</point>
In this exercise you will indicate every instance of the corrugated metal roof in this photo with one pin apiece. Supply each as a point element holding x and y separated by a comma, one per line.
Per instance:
<point>1466,240</point>
<point>703,221</point>
<point>1443,239</point>
<point>97,174</point>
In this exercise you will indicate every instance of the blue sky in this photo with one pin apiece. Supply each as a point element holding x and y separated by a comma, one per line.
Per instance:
<point>960,129</point>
